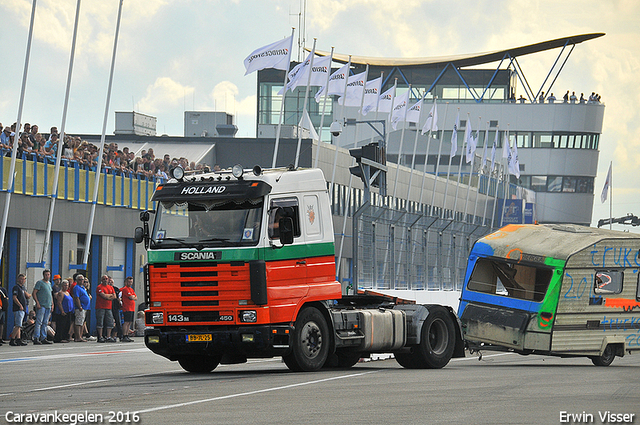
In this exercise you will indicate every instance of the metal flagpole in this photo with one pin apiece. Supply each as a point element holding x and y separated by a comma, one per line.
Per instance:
<point>435,180</point>
<point>54,192</point>
<point>399,159</point>
<point>473,157</point>
<point>481,171</point>
<point>506,182</point>
<point>281,118</point>
<point>347,198</point>
<point>611,196</point>
<point>16,137</point>
<point>335,157</point>
<point>462,153</point>
<point>446,187</point>
<point>104,130</point>
<point>324,107</point>
<point>486,202</point>
<point>494,167</point>
<point>304,105</point>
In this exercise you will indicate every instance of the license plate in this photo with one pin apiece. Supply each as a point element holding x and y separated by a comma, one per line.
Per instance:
<point>199,338</point>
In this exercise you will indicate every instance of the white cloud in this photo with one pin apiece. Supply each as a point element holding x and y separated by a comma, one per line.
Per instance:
<point>163,94</point>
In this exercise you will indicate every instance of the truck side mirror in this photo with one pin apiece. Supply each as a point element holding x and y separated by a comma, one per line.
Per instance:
<point>138,235</point>
<point>286,230</point>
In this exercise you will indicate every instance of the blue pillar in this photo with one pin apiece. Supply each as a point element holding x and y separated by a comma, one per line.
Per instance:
<point>13,269</point>
<point>93,273</point>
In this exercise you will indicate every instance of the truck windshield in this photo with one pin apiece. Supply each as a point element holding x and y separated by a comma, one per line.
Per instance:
<point>208,223</point>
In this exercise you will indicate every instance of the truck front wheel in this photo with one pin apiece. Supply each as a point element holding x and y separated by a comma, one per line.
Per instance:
<point>199,364</point>
<point>437,342</point>
<point>310,342</point>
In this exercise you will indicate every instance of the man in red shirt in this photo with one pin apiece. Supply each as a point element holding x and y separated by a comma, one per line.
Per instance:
<point>128,307</point>
<point>105,294</point>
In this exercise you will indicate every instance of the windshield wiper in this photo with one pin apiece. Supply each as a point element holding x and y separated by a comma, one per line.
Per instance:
<point>214,240</point>
<point>181,241</point>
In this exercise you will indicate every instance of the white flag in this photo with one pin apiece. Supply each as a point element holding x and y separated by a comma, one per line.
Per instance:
<point>305,122</point>
<point>336,83</point>
<point>506,147</point>
<point>432,120</point>
<point>386,100</point>
<point>514,163</point>
<point>275,55</point>
<point>471,142</point>
<point>454,136</point>
<point>413,113</point>
<point>371,95</point>
<point>399,108</point>
<point>355,88</point>
<point>299,75</point>
<point>607,185</point>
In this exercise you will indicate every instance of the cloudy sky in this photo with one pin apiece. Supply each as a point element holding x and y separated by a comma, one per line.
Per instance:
<point>177,55</point>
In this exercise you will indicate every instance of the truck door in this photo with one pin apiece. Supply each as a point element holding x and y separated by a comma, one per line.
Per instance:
<point>286,265</point>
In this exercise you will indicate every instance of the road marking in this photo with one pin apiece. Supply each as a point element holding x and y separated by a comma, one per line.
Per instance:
<point>69,355</point>
<point>225,397</point>
<point>70,385</point>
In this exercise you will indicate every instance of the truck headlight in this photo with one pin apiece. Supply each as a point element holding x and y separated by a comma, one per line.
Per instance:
<point>157,318</point>
<point>248,316</point>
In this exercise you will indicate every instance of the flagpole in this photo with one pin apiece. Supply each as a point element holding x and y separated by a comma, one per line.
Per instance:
<point>611,197</point>
<point>347,198</point>
<point>280,119</point>
<point>104,131</point>
<point>472,161</point>
<point>304,105</point>
<point>486,202</point>
<point>16,137</point>
<point>324,107</point>
<point>54,191</point>
<point>393,98</point>
<point>398,160</point>
<point>506,182</point>
<point>446,187</point>
<point>435,181</point>
<point>493,168</point>
<point>481,170</point>
<point>462,154</point>
<point>335,156</point>
<point>415,148</point>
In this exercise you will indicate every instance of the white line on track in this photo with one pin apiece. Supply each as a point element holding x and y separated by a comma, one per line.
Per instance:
<point>265,390</point>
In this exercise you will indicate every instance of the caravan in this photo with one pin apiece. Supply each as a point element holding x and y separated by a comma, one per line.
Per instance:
<point>557,290</point>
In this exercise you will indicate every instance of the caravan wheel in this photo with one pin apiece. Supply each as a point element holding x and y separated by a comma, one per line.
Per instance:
<point>605,359</point>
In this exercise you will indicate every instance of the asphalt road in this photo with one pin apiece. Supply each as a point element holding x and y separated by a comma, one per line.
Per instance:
<point>123,381</point>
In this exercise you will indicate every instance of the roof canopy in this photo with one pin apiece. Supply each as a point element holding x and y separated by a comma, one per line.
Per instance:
<point>466,59</point>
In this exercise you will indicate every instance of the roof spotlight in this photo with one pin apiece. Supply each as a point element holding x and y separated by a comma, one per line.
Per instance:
<point>177,173</point>
<point>237,171</point>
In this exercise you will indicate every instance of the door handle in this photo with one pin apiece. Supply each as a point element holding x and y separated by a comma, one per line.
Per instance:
<point>301,262</point>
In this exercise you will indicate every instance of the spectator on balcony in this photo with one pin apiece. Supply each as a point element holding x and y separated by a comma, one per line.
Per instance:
<point>551,98</point>
<point>565,98</point>
<point>33,133</point>
<point>582,99</point>
<point>573,97</point>
<point>5,138</point>
<point>521,99</point>
<point>541,98</point>
<point>51,145</point>
<point>27,129</point>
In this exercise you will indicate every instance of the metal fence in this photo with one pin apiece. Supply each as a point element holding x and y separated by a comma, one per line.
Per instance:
<point>402,250</point>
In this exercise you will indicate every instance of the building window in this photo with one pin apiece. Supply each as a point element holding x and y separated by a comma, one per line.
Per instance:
<point>554,184</point>
<point>569,184</point>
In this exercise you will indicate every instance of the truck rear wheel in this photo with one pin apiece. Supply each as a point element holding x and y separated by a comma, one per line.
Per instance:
<point>199,364</point>
<point>605,359</point>
<point>310,342</point>
<point>437,342</point>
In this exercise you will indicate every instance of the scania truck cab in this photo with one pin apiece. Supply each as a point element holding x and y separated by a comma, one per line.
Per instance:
<point>241,265</point>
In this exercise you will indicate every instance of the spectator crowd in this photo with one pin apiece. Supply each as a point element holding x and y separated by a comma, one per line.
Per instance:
<point>33,145</point>
<point>60,309</point>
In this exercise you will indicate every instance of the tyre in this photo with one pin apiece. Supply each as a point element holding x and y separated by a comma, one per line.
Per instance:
<point>310,342</point>
<point>199,364</point>
<point>437,342</point>
<point>342,360</point>
<point>605,359</point>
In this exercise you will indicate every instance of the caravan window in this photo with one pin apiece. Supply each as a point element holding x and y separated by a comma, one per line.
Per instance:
<point>608,282</point>
<point>500,277</point>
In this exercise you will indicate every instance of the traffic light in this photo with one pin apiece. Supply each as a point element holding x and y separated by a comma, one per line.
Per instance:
<point>369,157</point>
